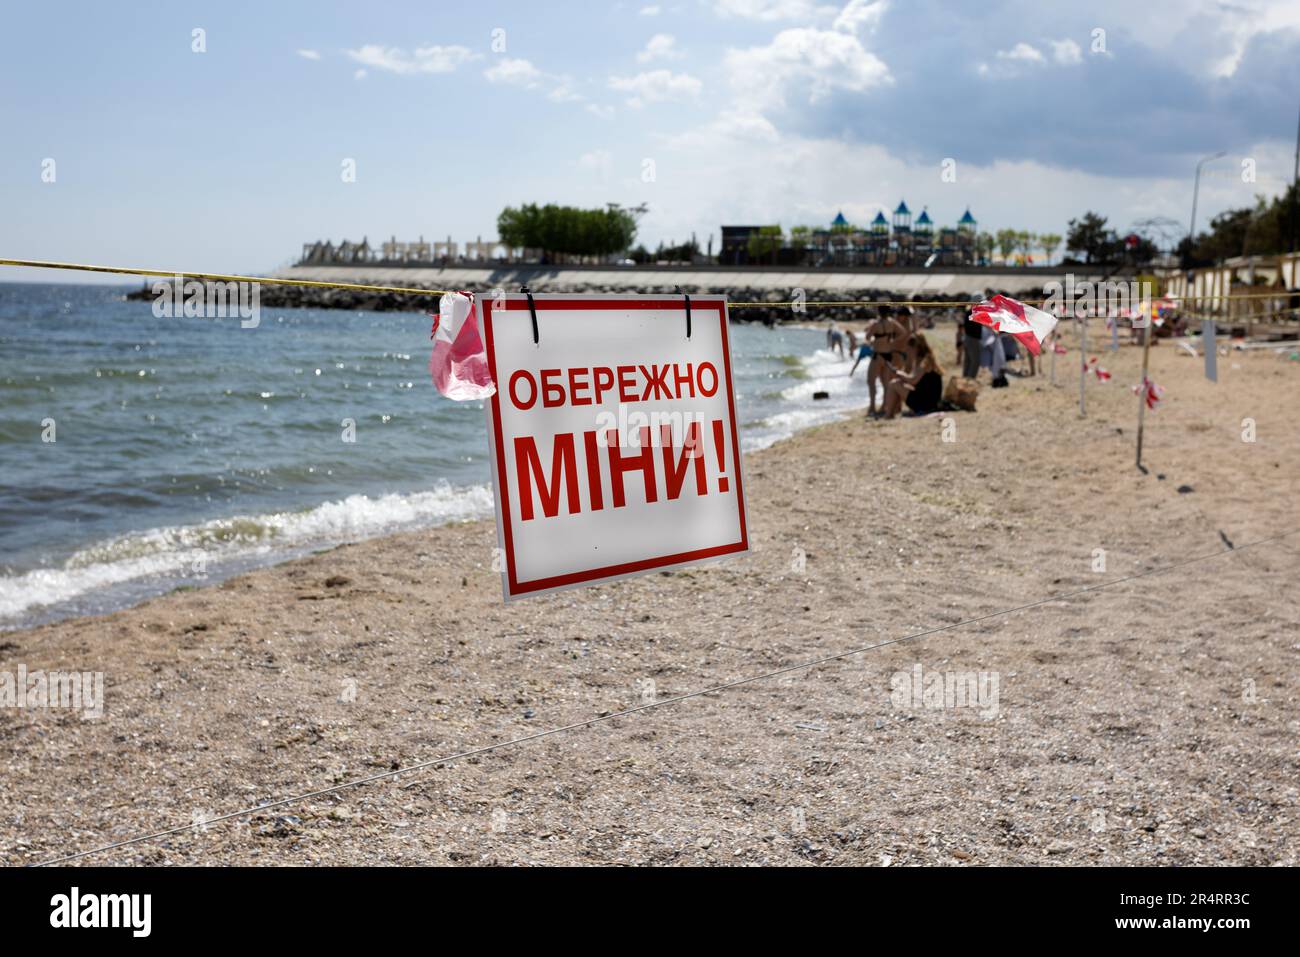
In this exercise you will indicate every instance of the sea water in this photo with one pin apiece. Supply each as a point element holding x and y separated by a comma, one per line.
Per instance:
<point>185,450</point>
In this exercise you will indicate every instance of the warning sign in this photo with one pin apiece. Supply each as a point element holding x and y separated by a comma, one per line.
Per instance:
<point>615,448</point>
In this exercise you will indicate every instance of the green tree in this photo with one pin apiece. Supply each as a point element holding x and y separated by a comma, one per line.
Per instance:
<point>765,244</point>
<point>1090,236</point>
<point>567,231</point>
<point>1048,243</point>
<point>1262,229</point>
<point>680,252</point>
<point>1026,241</point>
<point>1007,240</point>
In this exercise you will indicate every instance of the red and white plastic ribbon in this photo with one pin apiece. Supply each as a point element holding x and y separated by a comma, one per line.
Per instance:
<point>1097,370</point>
<point>1153,393</point>
<point>459,364</point>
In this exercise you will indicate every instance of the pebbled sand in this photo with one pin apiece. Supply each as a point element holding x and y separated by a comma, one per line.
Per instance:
<point>1126,733</point>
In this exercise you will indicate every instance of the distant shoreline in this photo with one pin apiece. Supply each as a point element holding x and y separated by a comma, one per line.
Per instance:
<point>777,288</point>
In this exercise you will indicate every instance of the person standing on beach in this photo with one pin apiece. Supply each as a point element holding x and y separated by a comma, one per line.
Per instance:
<point>864,352</point>
<point>887,337</point>
<point>835,339</point>
<point>969,336</point>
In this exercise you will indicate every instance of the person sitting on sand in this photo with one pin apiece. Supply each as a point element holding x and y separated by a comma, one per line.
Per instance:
<point>921,387</point>
<point>887,338</point>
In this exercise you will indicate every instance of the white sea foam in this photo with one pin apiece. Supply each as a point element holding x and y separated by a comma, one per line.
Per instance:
<point>173,552</point>
<point>824,371</point>
<point>118,571</point>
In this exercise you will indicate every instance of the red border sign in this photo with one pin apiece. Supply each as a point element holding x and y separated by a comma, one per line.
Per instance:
<point>514,308</point>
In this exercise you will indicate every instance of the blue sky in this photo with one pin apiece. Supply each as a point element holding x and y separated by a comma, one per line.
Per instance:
<point>744,110</point>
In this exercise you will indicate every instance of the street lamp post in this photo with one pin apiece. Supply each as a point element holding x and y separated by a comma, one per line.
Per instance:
<point>1196,193</point>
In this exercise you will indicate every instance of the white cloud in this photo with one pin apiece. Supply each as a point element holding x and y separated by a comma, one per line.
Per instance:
<point>825,60</point>
<point>651,11</point>
<point>360,74</point>
<point>599,111</point>
<point>661,46</point>
<point>1066,52</point>
<point>523,74</point>
<point>1021,51</point>
<point>861,13</point>
<point>1243,25</point>
<point>769,10</point>
<point>309,54</point>
<point>514,72</point>
<point>1010,61</point>
<point>564,93</point>
<point>655,86</point>
<point>430,59</point>
<point>735,127</point>
<point>805,181</point>
<point>599,163</point>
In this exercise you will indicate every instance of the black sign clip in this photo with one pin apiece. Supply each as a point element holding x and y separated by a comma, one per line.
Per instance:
<point>532,311</point>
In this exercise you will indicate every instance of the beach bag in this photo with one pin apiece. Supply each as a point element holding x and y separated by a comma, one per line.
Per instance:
<point>960,393</point>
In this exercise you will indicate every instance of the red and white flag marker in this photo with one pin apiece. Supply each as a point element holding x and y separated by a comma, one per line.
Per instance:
<point>615,443</point>
<point>1027,324</point>
<point>1102,374</point>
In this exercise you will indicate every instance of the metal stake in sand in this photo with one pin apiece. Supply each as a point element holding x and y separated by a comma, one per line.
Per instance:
<point>1083,362</point>
<point>1210,342</point>
<point>1142,389</point>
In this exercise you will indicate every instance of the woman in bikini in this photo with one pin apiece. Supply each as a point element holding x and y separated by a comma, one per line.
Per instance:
<point>887,338</point>
<point>921,387</point>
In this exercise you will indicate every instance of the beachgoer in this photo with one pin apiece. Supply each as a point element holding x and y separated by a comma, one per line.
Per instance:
<point>887,337</point>
<point>969,335</point>
<point>1011,351</point>
<point>864,352</point>
<point>921,387</point>
<point>835,339</point>
<point>994,355</point>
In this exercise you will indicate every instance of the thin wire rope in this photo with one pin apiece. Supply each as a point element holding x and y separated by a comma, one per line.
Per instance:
<point>415,291</point>
<point>799,666</point>
<point>1248,317</point>
<point>221,277</point>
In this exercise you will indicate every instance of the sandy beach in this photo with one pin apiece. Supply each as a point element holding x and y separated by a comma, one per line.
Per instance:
<point>1151,722</point>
